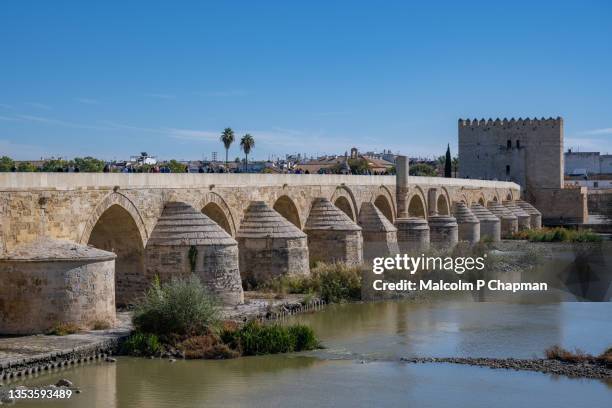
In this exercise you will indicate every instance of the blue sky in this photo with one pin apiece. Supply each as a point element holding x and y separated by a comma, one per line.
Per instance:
<point>115,78</point>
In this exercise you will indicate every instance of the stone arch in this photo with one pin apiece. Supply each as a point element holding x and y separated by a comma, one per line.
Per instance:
<point>285,206</point>
<point>385,207</point>
<point>343,203</point>
<point>509,196</point>
<point>416,206</point>
<point>479,198</point>
<point>349,204</point>
<point>443,205</point>
<point>215,207</point>
<point>385,202</point>
<point>110,200</point>
<point>118,231</point>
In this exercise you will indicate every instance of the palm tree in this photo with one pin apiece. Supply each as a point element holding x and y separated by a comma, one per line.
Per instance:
<point>227,137</point>
<point>247,143</point>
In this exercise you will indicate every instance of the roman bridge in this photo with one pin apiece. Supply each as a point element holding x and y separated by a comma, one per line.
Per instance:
<point>133,227</point>
<point>119,211</point>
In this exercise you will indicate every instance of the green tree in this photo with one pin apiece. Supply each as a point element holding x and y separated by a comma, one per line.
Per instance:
<point>448,163</point>
<point>54,165</point>
<point>6,164</point>
<point>176,167</point>
<point>455,164</point>
<point>89,164</point>
<point>227,137</point>
<point>247,143</point>
<point>26,167</point>
<point>423,169</point>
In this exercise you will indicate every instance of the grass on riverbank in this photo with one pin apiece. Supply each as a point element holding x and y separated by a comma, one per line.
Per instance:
<point>558,234</point>
<point>557,352</point>
<point>181,318</point>
<point>333,283</point>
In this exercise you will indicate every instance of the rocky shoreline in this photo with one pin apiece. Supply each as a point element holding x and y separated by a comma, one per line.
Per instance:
<point>546,366</point>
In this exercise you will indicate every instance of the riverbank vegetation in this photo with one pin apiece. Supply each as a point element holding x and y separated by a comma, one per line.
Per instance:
<point>181,318</point>
<point>557,352</point>
<point>332,283</point>
<point>557,234</point>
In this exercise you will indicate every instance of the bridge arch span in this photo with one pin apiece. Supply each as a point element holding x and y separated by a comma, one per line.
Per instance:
<point>344,199</point>
<point>286,207</point>
<point>443,203</point>
<point>116,226</point>
<point>416,204</point>
<point>384,201</point>
<point>215,207</point>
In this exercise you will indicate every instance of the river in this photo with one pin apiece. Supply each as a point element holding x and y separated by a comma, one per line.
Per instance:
<point>360,365</point>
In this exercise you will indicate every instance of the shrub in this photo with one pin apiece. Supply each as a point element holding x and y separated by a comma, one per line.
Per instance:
<point>100,325</point>
<point>255,338</point>
<point>606,356</point>
<point>208,346</point>
<point>304,337</point>
<point>63,329</point>
<point>182,306</point>
<point>558,234</point>
<point>337,282</point>
<point>141,344</point>
<point>557,352</point>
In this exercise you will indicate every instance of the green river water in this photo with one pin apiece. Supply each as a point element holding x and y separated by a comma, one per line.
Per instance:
<point>360,365</point>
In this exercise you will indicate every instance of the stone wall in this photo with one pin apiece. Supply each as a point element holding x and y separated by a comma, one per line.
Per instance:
<point>71,205</point>
<point>37,296</point>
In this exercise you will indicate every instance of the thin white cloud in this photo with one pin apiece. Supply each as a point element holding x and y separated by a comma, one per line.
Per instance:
<point>56,122</point>
<point>223,93</point>
<point>596,132</point>
<point>87,101</point>
<point>39,105</point>
<point>160,96</point>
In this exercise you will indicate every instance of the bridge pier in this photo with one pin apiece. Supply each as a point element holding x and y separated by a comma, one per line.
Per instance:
<point>509,221</point>
<point>270,246</point>
<point>379,235</point>
<point>332,235</point>
<point>490,225</point>
<point>534,215</point>
<point>524,219</point>
<point>468,224</point>
<point>185,241</point>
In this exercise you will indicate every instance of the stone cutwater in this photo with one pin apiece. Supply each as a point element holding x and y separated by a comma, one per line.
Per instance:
<point>490,225</point>
<point>444,231</point>
<point>534,214</point>
<point>50,282</point>
<point>379,234</point>
<point>468,223</point>
<point>524,219</point>
<point>332,235</point>
<point>185,241</point>
<point>509,221</point>
<point>412,234</point>
<point>270,245</point>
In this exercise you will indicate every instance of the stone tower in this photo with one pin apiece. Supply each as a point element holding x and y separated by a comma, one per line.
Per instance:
<point>528,152</point>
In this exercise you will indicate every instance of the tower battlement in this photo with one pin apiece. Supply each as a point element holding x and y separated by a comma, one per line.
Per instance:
<point>506,123</point>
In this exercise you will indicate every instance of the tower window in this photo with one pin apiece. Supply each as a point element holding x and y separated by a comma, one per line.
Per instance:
<point>518,144</point>
<point>509,144</point>
<point>507,169</point>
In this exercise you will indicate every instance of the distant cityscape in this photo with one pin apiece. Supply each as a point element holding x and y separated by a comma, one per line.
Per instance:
<point>351,162</point>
